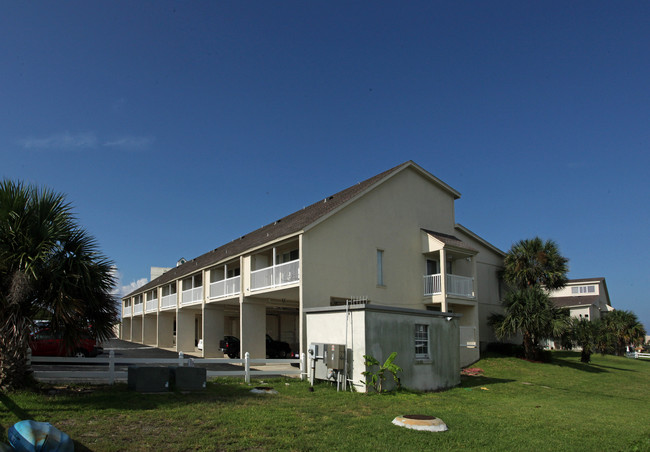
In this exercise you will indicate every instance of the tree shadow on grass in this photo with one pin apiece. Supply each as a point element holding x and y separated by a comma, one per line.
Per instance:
<point>472,382</point>
<point>577,365</point>
<point>13,407</point>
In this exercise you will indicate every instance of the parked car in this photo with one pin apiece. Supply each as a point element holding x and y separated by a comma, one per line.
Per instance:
<point>274,349</point>
<point>47,342</point>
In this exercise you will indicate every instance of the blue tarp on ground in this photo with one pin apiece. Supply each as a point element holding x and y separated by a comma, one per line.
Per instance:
<point>32,436</point>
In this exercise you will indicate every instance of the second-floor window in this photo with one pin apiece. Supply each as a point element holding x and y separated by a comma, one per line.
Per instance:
<point>583,289</point>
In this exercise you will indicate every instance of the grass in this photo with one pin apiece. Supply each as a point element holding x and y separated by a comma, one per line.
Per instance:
<point>515,405</point>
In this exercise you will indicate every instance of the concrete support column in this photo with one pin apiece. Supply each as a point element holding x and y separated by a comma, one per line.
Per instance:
<point>252,327</point>
<point>185,330</point>
<point>443,280</point>
<point>213,331</point>
<point>150,329</point>
<point>165,331</point>
<point>136,328</point>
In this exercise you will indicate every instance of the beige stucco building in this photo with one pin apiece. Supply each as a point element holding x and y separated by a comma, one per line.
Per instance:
<point>585,298</point>
<point>392,239</point>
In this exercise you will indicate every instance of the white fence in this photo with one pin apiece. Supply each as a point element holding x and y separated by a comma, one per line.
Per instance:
<point>137,309</point>
<point>111,375</point>
<point>637,355</point>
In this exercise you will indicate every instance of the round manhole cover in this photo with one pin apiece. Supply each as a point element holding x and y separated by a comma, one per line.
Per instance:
<point>421,422</point>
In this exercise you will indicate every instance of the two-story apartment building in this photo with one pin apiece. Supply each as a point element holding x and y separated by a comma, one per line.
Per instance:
<point>391,239</point>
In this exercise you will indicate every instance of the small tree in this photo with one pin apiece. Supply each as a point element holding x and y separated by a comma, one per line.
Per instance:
<point>584,333</point>
<point>376,379</point>
<point>620,329</point>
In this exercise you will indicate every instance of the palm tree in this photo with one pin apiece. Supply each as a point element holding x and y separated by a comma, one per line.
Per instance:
<point>531,313</point>
<point>620,329</point>
<point>584,334</point>
<point>533,262</point>
<point>530,266</point>
<point>48,263</point>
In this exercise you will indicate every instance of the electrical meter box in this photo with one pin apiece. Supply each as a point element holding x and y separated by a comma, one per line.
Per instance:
<point>335,358</point>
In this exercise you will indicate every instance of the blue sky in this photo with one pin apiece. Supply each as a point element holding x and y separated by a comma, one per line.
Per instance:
<point>174,127</point>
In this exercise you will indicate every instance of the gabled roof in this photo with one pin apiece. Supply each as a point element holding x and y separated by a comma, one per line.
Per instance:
<point>450,240</point>
<point>287,226</point>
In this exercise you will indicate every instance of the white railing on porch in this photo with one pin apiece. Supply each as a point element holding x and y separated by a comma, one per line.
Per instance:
<point>168,301</point>
<point>192,295</point>
<point>137,308</point>
<point>152,305</point>
<point>276,275</point>
<point>225,287</point>
<point>455,285</point>
<point>126,312</point>
<point>468,336</point>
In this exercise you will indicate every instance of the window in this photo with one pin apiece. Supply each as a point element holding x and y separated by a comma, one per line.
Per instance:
<point>421,341</point>
<point>380,267</point>
<point>583,289</point>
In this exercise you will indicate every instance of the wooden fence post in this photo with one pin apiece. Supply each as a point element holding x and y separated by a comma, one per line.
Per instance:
<point>181,357</point>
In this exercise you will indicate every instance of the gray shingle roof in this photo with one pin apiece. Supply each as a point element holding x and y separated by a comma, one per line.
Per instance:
<point>291,224</point>
<point>565,302</point>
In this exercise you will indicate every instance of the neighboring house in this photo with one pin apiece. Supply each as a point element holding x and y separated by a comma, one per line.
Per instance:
<point>391,239</point>
<point>584,298</point>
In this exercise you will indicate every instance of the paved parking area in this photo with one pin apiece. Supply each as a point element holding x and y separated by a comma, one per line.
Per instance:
<point>126,350</point>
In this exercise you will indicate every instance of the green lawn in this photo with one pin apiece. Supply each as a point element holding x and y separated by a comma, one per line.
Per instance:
<point>516,405</point>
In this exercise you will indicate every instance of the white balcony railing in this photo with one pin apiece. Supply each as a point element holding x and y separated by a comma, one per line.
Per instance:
<point>168,301</point>
<point>126,312</point>
<point>194,295</point>
<point>137,308</point>
<point>276,275</point>
<point>455,285</point>
<point>152,305</point>
<point>225,287</point>
<point>468,336</point>
<point>460,285</point>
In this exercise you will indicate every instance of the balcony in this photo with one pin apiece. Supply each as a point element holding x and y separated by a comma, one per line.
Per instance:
<point>276,276</point>
<point>226,287</point>
<point>137,308</point>
<point>126,312</point>
<point>456,285</point>
<point>152,305</point>
<point>194,295</point>
<point>168,301</point>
